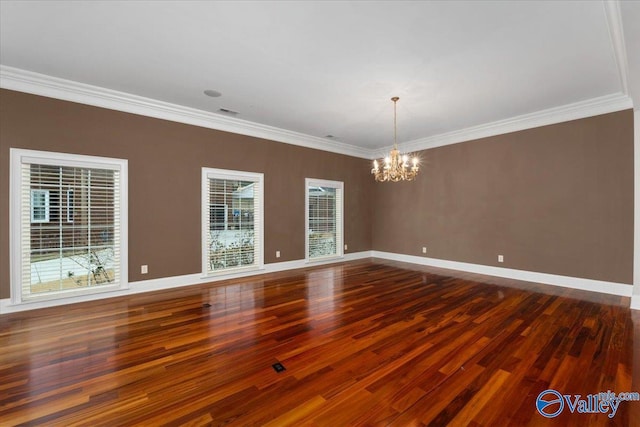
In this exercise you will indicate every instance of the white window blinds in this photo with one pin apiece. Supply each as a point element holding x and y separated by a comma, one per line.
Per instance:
<point>69,225</point>
<point>324,218</point>
<point>232,220</point>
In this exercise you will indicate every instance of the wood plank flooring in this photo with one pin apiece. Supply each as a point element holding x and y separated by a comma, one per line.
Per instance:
<point>363,343</point>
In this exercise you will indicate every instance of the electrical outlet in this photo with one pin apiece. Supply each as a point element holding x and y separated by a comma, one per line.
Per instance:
<point>500,258</point>
<point>277,254</point>
<point>424,249</point>
<point>345,247</point>
<point>144,269</point>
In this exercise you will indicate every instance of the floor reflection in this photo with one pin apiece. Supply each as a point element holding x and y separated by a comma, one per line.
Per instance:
<point>413,342</point>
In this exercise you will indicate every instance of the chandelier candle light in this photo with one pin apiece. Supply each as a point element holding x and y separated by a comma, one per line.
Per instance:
<point>396,166</point>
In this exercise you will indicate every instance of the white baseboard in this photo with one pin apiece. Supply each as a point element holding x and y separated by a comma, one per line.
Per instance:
<point>196,279</point>
<point>612,288</point>
<point>175,282</point>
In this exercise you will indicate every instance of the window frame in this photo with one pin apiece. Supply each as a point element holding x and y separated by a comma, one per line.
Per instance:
<point>338,185</point>
<point>258,223</point>
<point>18,157</point>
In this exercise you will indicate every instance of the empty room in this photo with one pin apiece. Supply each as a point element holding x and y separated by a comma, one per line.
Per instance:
<point>320,213</point>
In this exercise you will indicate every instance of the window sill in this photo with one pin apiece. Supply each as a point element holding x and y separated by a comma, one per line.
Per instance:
<point>232,271</point>
<point>324,259</point>
<point>70,294</point>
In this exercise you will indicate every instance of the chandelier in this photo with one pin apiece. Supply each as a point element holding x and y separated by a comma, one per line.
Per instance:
<point>396,166</point>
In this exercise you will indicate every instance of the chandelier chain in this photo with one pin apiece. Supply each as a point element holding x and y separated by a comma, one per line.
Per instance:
<point>395,122</point>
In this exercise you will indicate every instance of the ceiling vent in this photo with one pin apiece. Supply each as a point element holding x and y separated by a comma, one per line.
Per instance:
<point>228,112</point>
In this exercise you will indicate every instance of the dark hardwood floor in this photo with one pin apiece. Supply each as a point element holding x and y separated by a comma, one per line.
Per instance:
<point>363,343</point>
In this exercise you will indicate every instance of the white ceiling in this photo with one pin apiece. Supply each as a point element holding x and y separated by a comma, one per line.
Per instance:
<point>329,68</point>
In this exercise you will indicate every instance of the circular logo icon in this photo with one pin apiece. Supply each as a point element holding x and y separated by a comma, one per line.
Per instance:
<point>549,403</point>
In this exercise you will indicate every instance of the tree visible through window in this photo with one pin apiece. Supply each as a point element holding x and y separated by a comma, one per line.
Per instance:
<point>70,239</point>
<point>232,220</point>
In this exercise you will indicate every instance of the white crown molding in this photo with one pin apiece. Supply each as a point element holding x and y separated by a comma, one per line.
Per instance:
<point>53,87</point>
<point>67,90</point>
<point>591,285</point>
<point>616,32</point>
<point>578,110</point>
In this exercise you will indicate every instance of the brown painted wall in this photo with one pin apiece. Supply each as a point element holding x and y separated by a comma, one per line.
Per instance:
<point>556,199</point>
<point>165,161</point>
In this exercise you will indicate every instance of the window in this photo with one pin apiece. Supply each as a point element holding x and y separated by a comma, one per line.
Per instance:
<point>67,242</point>
<point>40,206</point>
<point>232,224</point>
<point>70,206</point>
<point>324,212</point>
